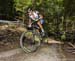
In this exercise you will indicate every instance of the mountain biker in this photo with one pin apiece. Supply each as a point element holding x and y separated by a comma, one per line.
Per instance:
<point>34,16</point>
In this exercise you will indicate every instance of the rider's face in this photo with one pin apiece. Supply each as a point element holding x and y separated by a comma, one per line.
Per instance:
<point>30,13</point>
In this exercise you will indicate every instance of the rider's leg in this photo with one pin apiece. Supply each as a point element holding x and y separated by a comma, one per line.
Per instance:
<point>40,25</point>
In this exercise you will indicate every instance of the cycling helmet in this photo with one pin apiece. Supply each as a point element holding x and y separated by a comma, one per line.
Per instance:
<point>29,9</point>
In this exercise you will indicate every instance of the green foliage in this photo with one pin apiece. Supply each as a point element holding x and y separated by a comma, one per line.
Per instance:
<point>69,7</point>
<point>20,5</point>
<point>63,36</point>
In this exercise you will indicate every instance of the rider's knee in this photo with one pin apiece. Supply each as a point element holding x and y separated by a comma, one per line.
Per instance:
<point>39,23</point>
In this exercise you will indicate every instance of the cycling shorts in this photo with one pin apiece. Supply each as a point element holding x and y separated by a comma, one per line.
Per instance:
<point>42,21</point>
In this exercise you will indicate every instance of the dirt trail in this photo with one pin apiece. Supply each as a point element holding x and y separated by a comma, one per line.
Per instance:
<point>44,53</point>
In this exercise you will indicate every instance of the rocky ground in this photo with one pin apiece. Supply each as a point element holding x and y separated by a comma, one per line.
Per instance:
<point>9,37</point>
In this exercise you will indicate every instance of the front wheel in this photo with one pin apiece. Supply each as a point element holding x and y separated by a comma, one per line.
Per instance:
<point>28,41</point>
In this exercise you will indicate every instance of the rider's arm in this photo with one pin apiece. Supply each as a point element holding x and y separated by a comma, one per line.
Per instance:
<point>40,16</point>
<point>29,23</point>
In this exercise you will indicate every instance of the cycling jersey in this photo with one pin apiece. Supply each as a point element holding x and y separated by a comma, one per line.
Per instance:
<point>34,16</point>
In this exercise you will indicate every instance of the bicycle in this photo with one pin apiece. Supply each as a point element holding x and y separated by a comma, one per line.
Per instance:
<point>31,39</point>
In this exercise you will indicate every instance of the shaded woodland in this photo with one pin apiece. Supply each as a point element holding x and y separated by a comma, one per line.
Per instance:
<point>59,15</point>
